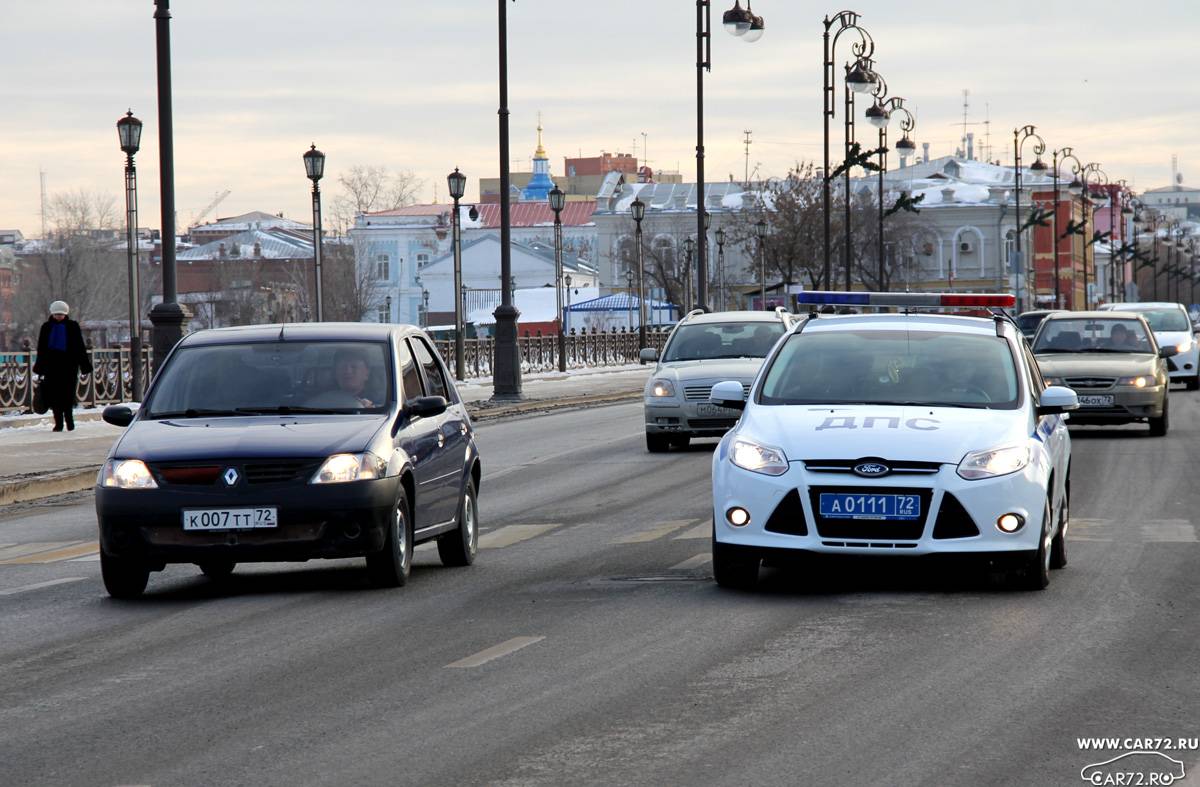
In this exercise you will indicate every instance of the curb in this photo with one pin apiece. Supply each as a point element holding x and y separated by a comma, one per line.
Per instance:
<point>23,488</point>
<point>43,420</point>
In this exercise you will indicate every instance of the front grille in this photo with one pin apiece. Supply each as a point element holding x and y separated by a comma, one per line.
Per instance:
<point>871,544</point>
<point>788,517</point>
<point>701,393</point>
<point>1090,383</point>
<point>276,472</point>
<point>874,529</point>
<point>187,475</point>
<point>712,423</point>
<point>953,521</point>
<point>848,465</point>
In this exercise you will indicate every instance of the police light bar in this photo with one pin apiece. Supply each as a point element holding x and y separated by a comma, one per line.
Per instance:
<point>906,299</point>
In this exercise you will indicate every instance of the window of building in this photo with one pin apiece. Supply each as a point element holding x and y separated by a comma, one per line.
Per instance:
<point>383,266</point>
<point>422,259</point>
<point>1010,246</point>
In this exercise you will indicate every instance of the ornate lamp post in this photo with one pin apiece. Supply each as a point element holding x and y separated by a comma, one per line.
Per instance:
<point>558,200</point>
<point>879,115</point>
<point>1085,178</point>
<point>720,236</point>
<point>638,209</point>
<point>860,78</point>
<point>760,228</point>
<point>507,362</point>
<point>629,297</point>
<point>567,281</point>
<point>458,186</point>
<point>1020,136</point>
<point>129,132</point>
<point>314,167</point>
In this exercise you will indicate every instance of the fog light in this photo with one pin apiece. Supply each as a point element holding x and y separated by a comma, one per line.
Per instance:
<point>1010,523</point>
<point>738,517</point>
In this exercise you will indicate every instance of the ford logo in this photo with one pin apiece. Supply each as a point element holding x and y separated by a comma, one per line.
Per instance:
<point>871,469</point>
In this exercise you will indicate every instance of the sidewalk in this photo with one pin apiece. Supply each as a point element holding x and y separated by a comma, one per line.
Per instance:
<point>36,462</point>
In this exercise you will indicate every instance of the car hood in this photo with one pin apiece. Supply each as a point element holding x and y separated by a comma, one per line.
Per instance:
<point>1171,338</point>
<point>716,370</point>
<point>920,434</point>
<point>265,437</point>
<point>1096,364</point>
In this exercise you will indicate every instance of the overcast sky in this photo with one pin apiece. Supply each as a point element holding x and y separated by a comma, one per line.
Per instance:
<point>413,85</point>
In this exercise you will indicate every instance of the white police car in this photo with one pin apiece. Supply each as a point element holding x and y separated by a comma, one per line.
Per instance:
<point>895,434</point>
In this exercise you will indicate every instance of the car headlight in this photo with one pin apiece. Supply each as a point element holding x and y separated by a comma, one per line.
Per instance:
<point>340,468</point>
<point>127,474</point>
<point>1136,382</point>
<point>1184,345</point>
<point>1055,381</point>
<point>993,462</point>
<point>660,389</point>
<point>758,458</point>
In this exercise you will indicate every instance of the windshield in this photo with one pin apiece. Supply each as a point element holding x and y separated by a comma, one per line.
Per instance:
<point>1092,335</point>
<point>893,367</point>
<point>722,340</point>
<point>1165,319</point>
<point>274,378</point>
<point>1028,323</point>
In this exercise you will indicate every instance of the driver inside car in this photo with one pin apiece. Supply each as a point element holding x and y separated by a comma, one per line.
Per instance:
<point>352,373</point>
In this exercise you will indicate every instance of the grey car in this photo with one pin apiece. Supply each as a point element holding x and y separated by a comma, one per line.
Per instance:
<point>702,350</point>
<point>1112,361</point>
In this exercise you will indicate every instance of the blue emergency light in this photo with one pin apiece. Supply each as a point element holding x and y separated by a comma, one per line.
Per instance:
<point>907,299</point>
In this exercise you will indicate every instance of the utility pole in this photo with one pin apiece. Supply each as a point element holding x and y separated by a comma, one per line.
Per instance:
<point>747,142</point>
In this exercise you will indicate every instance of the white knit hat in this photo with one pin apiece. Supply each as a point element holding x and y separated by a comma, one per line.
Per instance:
<point>60,307</point>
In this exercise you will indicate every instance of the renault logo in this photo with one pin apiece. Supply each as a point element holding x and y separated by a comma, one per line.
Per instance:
<point>231,477</point>
<point>871,469</point>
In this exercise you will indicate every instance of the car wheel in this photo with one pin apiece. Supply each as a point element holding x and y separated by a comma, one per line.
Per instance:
<point>458,547</point>
<point>1058,546</point>
<point>1035,574</point>
<point>123,577</point>
<point>732,568</point>
<point>217,569</point>
<point>680,441</point>
<point>390,566</point>
<point>657,443</point>
<point>1159,426</point>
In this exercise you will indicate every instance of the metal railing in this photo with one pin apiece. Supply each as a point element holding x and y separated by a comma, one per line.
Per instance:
<point>539,352</point>
<point>108,383</point>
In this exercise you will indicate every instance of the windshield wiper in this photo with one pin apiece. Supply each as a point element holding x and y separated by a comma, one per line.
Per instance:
<point>288,410</point>
<point>970,405</point>
<point>196,412</point>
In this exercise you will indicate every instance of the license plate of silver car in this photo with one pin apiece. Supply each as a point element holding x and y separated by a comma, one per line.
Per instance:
<point>1096,401</point>
<point>230,518</point>
<point>716,411</point>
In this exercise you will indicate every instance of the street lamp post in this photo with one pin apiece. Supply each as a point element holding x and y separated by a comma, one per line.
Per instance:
<point>689,247</point>
<point>1020,135</point>
<point>387,305</point>
<point>507,362</point>
<point>864,47</point>
<point>458,186</point>
<point>629,298</point>
<point>720,236</point>
<point>760,228</point>
<point>879,115</point>
<point>167,317</point>
<point>860,77</point>
<point>1059,157</point>
<point>1084,174</point>
<point>567,281</point>
<point>558,201</point>
<point>129,132</point>
<point>638,209</point>
<point>314,167</point>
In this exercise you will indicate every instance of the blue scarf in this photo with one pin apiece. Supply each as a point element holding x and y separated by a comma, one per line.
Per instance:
<point>58,336</point>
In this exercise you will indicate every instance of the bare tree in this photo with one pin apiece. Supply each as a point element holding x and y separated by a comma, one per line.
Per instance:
<point>365,189</point>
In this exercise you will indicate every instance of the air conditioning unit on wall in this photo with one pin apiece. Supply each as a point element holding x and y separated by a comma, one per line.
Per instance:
<point>965,247</point>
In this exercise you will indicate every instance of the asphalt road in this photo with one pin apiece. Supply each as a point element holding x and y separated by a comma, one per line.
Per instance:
<point>589,645</point>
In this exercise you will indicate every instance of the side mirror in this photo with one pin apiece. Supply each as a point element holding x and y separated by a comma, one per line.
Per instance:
<point>119,414</point>
<point>648,355</point>
<point>1167,352</point>
<point>1057,399</point>
<point>728,394</point>
<point>426,406</point>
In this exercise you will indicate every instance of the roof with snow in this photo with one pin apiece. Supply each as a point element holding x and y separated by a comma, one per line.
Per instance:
<point>255,219</point>
<point>274,244</point>
<point>521,214</point>
<point>618,302</point>
<point>616,195</point>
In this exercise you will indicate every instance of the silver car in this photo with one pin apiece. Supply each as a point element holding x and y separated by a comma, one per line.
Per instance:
<point>702,350</point>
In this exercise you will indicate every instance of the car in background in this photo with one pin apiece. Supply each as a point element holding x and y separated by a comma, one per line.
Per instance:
<point>1028,322</point>
<point>1112,362</point>
<point>1172,326</point>
<point>286,443</point>
<point>701,350</point>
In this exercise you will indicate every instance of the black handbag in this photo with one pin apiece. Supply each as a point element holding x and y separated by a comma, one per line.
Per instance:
<point>39,399</point>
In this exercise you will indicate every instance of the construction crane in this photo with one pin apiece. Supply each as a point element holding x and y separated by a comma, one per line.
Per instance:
<point>210,207</point>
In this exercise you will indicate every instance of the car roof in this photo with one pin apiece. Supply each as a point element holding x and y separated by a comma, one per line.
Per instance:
<point>733,316</point>
<point>1146,305</point>
<point>943,323</point>
<point>306,331</point>
<point>1095,315</point>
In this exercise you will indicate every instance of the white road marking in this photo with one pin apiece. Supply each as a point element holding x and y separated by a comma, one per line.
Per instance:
<point>692,562</point>
<point>92,558</point>
<point>39,585</point>
<point>20,550</point>
<point>511,534</point>
<point>701,530</point>
<point>654,533</point>
<point>494,652</point>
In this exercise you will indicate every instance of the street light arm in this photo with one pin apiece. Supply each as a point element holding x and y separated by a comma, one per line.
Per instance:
<point>848,20</point>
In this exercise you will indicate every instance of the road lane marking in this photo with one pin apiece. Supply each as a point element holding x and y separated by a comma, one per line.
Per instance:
<point>39,585</point>
<point>692,562</point>
<point>703,529</point>
<point>20,550</point>
<point>654,533</point>
<point>78,550</point>
<point>494,652</point>
<point>512,534</point>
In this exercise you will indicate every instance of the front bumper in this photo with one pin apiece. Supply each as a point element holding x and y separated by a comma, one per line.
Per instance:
<point>1185,365</point>
<point>1128,404</point>
<point>982,502</point>
<point>698,419</point>
<point>314,521</point>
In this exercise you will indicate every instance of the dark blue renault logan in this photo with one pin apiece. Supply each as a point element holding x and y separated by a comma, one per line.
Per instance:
<point>281,443</point>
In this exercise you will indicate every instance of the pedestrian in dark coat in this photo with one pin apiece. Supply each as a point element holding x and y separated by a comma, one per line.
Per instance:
<point>61,358</point>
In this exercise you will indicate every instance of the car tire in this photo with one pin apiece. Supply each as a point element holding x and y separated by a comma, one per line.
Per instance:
<point>1058,546</point>
<point>391,566</point>
<point>1159,426</point>
<point>1035,574</point>
<point>217,569</point>
<point>657,443</point>
<point>731,567</point>
<point>123,577</point>
<point>680,441</point>
<point>458,547</point>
